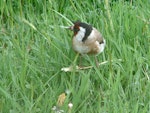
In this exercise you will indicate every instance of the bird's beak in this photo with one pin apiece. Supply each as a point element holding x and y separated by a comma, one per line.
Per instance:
<point>71,28</point>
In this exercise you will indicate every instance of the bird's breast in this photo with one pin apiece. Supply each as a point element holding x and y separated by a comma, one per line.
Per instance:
<point>87,48</point>
<point>79,46</point>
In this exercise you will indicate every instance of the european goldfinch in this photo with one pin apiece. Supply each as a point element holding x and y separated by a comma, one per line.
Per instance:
<point>87,39</point>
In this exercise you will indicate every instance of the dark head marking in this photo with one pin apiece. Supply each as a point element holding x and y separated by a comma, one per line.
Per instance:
<point>87,27</point>
<point>76,27</point>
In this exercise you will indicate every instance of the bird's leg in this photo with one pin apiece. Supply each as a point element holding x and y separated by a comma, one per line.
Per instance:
<point>96,61</point>
<point>80,61</point>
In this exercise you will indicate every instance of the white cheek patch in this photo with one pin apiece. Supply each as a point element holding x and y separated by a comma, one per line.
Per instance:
<point>80,34</point>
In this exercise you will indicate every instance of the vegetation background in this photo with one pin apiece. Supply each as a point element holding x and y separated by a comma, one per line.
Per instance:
<point>34,47</point>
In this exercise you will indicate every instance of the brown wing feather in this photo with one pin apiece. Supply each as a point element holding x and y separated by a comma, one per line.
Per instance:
<point>98,36</point>
<point>92,42</point>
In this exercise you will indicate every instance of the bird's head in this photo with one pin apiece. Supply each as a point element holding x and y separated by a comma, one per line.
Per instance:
<point>80,27</point>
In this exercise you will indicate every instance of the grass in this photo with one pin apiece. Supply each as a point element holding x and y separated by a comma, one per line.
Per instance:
<point>34,48</point>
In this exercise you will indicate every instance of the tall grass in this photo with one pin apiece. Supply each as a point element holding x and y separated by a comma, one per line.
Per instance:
<point>34,48</point>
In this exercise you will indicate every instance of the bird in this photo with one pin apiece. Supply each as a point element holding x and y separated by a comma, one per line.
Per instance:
<point>87,40</point>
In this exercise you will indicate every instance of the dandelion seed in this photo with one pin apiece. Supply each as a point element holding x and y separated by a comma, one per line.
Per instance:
<point>67,91</point>
<point>57,110</point>
<point>70,105</point>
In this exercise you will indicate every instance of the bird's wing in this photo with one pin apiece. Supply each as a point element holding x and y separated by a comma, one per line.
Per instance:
<point>95,36</point>
<point>98,36</point>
